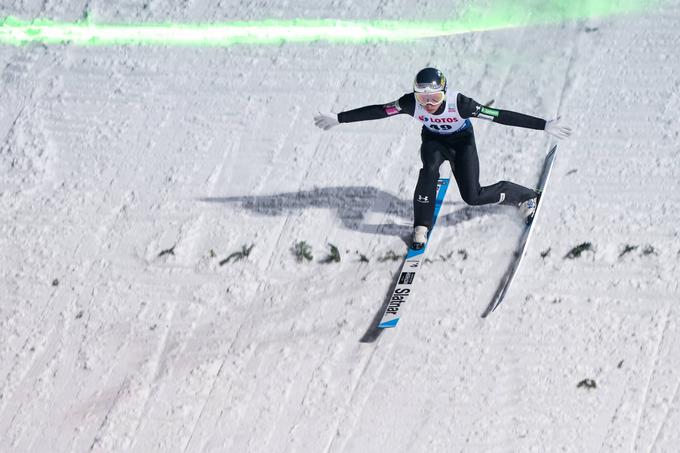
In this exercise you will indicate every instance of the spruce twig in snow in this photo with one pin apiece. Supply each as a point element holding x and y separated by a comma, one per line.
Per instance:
<point>333,256</point>
<point>390,256</point>
<point>238,256</point>
<point>578,250</point>
<point>628,249</point>
<point>302,251</point>
<point>170,251</point>
<point>648,250</point>
<point>587,383</point>
<point>446,257</point>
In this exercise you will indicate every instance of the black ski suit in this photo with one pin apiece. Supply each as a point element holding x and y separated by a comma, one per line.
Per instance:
<point>457,147</point>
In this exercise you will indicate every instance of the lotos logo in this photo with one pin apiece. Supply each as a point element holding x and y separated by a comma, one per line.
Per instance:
<point>425,119</point>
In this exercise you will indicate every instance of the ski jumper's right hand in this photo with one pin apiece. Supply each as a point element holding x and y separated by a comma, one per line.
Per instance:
<point>326,121</point>
<point>557,129</point>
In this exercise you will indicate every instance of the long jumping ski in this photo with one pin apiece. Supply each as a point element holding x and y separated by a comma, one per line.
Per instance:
<point>411,266</point>
<point>523,243</point>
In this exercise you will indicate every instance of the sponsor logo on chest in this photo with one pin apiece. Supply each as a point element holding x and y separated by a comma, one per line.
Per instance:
<point>430,119</point>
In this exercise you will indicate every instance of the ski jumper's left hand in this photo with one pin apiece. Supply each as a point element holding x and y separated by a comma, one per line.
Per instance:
<point>557,129</point>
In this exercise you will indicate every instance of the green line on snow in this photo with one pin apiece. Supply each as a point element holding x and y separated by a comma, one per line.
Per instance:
<point>495,15</point>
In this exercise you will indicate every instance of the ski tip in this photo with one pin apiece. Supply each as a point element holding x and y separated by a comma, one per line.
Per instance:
<point>389,324</point>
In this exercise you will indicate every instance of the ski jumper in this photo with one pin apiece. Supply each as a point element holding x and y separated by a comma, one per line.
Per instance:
<point>447,134</point>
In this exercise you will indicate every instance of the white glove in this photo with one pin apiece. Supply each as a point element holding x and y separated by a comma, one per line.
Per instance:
<point>326,120</point>
<point>557,129</point>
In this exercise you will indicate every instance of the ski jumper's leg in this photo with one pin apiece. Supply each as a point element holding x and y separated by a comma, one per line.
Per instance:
<point>466,171</point>
<point>432,156</point>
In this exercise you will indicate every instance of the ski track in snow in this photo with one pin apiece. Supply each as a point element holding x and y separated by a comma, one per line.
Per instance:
<point>647,388</point>
<point>128,173</point>
<point>674,401</point>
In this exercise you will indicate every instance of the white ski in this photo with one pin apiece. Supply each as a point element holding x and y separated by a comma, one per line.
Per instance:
<point>520,252</point>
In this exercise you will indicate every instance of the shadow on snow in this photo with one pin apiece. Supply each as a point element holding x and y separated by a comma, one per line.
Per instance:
<point>351,204</point>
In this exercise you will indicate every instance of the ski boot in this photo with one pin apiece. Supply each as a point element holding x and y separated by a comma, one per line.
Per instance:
<point>419,237</point>
<point>527,209</point>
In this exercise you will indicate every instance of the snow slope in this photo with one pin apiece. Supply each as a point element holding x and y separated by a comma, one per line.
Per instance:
<point>128,173</point>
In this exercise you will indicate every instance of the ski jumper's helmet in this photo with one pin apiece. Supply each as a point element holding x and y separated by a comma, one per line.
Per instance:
<point>429,80</point>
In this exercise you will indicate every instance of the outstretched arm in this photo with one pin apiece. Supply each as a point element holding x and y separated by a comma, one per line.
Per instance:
<point>468,107</point>
<point>405,104</point>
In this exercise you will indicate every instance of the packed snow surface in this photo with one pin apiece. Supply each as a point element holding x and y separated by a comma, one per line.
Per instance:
<point>128,176</point>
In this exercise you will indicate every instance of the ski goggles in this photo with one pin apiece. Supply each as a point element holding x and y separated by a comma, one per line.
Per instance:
<point>432,98</point>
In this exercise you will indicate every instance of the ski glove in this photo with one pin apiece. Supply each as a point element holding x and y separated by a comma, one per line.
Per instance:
<point>326,120</point>
<point>557,129</point>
